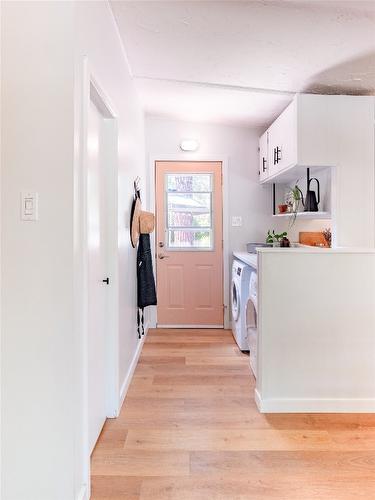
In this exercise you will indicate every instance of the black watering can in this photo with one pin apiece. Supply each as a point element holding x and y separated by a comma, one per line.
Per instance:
<point>311,203</point>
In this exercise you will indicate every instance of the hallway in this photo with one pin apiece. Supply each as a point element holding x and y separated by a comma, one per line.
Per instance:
<point>189,429</point>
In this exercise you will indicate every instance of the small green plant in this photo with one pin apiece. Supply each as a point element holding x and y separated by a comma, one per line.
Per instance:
<point>293,199</point>
<point>274,237</point>
<point>295,193</point>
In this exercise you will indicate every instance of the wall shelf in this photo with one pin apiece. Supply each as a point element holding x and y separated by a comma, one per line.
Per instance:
<point>306,215</point>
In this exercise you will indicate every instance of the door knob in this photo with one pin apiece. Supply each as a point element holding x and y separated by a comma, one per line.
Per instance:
<point>106,281</point>
<point>162,256</point>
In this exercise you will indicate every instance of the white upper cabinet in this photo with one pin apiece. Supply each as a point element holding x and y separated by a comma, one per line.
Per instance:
<point>282,140</point>
<point>263,157</point>
<point>300,136</point>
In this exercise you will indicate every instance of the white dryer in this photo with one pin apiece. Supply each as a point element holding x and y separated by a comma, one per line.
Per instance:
<point>252,321</point>
<point>241,273</point>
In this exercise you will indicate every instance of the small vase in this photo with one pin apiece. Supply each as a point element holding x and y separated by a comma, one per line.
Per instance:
<point>285,242</point>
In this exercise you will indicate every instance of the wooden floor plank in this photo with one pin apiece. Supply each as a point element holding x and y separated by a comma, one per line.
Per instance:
<point>229,439</point>
<point>297,463</point>
<point>183,371</point>
<point>249,487</point>
<point>221,361</point>
<point>189,391</point>
<point>161,360</point>
<point>190,430</point>
<point>139,463</point>
<point>116,488</point>
<point>205,380</point>
<point>112,438</point>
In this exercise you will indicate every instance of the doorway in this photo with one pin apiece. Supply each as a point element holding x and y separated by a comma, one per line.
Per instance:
<point>101,245</point>
<point>189,244</point>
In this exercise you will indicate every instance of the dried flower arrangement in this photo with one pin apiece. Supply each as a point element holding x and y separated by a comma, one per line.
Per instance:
<point>327,236</point>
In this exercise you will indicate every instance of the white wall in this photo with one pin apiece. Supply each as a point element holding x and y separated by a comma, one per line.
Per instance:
<point>42,45</point>
<point>37,257</point>
<point>107,61</point>
<point>237,144</point>
<point>355,147</point>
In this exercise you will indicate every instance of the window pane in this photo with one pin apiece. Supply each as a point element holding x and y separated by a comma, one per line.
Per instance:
<point>187,219</point>
<point>182,238</point>
<point>189,210</point>
<point>185,183</point>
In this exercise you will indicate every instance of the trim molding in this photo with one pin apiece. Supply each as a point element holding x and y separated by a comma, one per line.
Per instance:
<point>83,493</point>
<point>311,405</point>
<point>129,375</point>
<point>218,327</point>
<point>191,157</point>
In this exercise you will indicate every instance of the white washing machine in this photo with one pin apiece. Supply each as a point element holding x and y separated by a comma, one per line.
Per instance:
<point>241,273</point>
<point>252,321</point>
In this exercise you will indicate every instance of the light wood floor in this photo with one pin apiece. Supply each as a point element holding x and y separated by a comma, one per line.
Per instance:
<point>189,429</point>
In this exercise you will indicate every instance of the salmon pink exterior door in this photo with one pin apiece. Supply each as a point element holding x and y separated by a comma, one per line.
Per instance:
<point>189,244</point>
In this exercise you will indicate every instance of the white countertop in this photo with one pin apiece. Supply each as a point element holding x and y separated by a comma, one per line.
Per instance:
<point>249,258</point>
<point>310,249</point>
<point>252,259</point>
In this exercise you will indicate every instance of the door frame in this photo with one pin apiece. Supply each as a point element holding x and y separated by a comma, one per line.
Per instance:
<point>195,157</point>
<point>87,88</point>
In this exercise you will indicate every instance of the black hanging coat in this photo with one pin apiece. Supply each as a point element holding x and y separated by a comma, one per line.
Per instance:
<point>146,294</point>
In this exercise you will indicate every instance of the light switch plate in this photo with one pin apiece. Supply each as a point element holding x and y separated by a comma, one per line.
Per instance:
<point>236,221</point>
<point>29,206</point>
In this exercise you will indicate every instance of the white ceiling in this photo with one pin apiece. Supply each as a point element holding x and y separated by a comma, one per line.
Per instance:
<point>241,62</point>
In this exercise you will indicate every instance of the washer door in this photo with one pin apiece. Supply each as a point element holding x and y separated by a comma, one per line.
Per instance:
<point>235,301</point>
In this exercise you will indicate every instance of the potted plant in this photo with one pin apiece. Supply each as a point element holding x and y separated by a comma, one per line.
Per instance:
<point>293,199</point>
<point>283,208</point>
<point>274,238</point>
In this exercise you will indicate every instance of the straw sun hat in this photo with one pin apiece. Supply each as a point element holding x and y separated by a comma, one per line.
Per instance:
<point>141,222</point>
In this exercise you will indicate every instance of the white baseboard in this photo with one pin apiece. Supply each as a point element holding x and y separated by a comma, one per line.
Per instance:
<point>83,493</point>
<point>310,405</point>
<point>258,400</point>
<point>132,367</point>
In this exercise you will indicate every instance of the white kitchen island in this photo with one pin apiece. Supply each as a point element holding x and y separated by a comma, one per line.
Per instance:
<point>316,330</point>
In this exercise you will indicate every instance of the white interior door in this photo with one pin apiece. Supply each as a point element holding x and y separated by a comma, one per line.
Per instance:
<point>97,272</point>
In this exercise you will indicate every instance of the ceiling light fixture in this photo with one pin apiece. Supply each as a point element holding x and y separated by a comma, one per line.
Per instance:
<point>189,145</point>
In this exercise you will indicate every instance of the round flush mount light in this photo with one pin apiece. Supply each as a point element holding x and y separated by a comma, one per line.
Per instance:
<point>189,145</point>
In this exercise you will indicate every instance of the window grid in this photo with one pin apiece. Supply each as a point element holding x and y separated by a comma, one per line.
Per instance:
<point>188,233</point>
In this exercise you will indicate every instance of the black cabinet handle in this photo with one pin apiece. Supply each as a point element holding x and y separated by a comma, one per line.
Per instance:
<point>106,281</point>
<point>278,154</point>
<point>264,164</point>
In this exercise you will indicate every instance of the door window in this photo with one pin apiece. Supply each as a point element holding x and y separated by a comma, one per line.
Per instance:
<point>189,211</point>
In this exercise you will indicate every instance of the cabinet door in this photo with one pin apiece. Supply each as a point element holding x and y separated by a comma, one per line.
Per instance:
<point>263,157</point>
<point>274,145</point>
<point>283,140</point>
